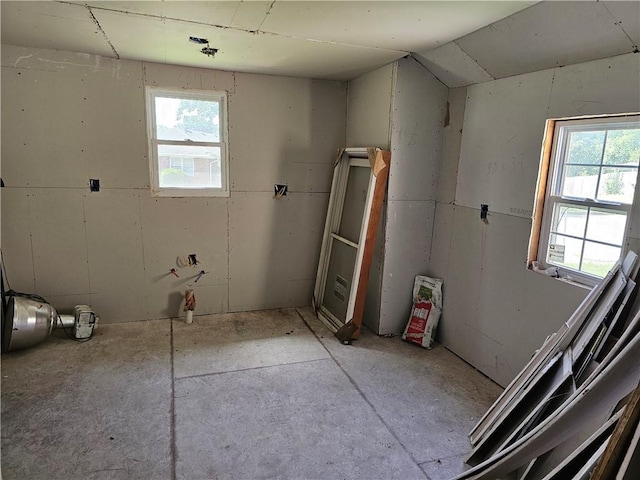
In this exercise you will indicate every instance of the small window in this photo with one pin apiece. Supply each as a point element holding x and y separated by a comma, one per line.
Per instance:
<point>591,185</point>
<point>187,142</point>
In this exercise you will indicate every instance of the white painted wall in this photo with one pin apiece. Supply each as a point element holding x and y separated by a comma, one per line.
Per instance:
<point>70,117</point>
<point>496,312</point>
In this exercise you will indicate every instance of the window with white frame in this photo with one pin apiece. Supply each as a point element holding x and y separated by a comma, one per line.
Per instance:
<point>187,142</point>
<point>589,195</point>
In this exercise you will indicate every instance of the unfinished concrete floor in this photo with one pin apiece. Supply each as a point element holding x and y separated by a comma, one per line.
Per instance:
<point>268,394</point>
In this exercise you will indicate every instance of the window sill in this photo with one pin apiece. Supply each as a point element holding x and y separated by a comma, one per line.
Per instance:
<point>189,193</point>
<point>562,278</point>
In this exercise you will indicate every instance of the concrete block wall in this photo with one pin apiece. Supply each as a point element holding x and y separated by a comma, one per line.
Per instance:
<point>69,117</point>
<point>496,312</point>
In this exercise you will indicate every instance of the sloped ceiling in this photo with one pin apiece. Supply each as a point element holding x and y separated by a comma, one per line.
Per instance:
<point>546,35</point>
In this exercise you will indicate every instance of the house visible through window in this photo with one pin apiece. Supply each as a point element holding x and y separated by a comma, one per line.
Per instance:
<point>590,190</point>
<point>187,138</point>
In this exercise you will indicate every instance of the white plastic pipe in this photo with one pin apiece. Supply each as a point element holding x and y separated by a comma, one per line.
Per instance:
<point>189,316</point>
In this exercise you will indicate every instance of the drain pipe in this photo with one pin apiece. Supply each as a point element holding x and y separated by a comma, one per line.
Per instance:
<point>189,304</point>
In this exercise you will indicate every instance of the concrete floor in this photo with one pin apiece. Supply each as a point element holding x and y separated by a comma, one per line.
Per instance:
<point>267,394</point>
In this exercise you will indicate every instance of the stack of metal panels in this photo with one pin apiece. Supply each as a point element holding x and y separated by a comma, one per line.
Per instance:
<point>557,417</point>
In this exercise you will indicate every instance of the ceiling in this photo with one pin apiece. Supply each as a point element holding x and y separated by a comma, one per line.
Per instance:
<point>461,42</point>
<point>316,39</point>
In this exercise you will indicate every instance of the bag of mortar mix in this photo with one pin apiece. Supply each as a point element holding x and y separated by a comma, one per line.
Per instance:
<point>425,314</point>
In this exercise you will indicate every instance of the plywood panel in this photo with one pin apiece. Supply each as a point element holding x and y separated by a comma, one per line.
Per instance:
<point>274,240</point>
<point>285,131</point>
<point>452,134</point>
<point>610,85</point>
<point>114,243</point>
<point>368,118</point>
<point>504,123</point>
<point>554,37</point>
<point>16,239</point>
<point>417,120</point>
<point>407,247</point>
<point>59,241</point>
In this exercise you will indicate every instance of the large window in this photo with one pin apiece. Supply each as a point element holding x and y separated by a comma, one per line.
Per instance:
<point>187,141</point>
<point>591,184</point>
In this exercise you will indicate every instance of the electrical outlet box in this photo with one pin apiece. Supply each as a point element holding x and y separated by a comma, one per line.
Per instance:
<point>85,321</point>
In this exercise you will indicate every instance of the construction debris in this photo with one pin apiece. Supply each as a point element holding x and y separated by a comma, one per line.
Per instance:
<point>557,418</point>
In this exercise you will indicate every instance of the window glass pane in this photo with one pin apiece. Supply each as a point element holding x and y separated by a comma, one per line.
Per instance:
<point>623,147</point>
<point>618,184</point>
<point>564,251</point>
<point>569,219</point>
<point>580,182</point>
<point>183,119</point>
<point>354,202</point>
<point>598,259</point>
<point>337,291</point>
<point>585,147</point>
<point>189,167</point>
<point>606,226</point>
